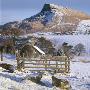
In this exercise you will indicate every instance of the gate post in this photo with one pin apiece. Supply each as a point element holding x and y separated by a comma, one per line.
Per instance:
<point>23,61</point>
<point>56,65</point>
<point>46,64</point>
<point>67,64</point>
<point>18,60</point>
<point>65,59</point>
<point>1,50</point>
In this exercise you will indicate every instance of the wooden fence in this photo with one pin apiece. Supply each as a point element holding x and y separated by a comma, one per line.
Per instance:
<point>59,64</point>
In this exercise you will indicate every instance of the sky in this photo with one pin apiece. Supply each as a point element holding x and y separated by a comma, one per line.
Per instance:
<point>13,10</point>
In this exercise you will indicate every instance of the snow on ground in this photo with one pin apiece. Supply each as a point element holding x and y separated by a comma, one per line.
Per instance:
<point>83,27</point>
<point>9,59</point>
<point>85,58</point>
<point>79,78</point>
<point>15,81</point>
<point>18,81</point>
<point>80,75</point>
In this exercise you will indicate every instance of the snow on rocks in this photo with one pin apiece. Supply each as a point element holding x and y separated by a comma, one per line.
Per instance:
<point>9,84</point>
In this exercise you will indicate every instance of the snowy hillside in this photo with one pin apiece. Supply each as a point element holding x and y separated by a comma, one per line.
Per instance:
<point>73,40</point>
<point>83,27</point>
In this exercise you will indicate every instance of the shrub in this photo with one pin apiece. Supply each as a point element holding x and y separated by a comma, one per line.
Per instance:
<point>45,45</point>
<point>79,49</point>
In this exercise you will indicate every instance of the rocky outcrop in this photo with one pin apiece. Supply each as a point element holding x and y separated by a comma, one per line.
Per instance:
<point>62,83</point>
<point>8,67</point>
<point>52,18</point>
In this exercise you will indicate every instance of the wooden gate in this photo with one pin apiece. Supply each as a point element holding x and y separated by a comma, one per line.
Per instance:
<point>59,64</point>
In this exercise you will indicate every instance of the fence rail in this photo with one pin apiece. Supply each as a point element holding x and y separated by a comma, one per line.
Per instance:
<point>55,63</point>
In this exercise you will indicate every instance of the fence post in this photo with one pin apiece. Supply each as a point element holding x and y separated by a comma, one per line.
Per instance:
<point>46,64</point>
<point>23,61</point>
<point>1,48</point>
<point>65,60</point>
<point>18,60</point>
<point>56,64</point>
<point>68,64</point>
<point>1,56</point>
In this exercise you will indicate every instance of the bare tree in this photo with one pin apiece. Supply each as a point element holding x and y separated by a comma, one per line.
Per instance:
<point>45,45</point>
<point>65,50</point>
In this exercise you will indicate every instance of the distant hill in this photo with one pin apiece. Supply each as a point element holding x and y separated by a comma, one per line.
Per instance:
<point>52,18</point>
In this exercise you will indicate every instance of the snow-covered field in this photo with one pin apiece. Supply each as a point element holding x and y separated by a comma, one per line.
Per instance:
<point>9,59</point>
<point>83,27</point>
<point>79,77</point>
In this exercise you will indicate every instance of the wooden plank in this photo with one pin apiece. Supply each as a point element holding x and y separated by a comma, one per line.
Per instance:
<point>44,60</point>
<point>60,71</point>
<point>43,67</point>
<point>43,64</point>
<point>47,63</point>
<point>60,57</point>
<point>55,58</point>
<point>41,70</point>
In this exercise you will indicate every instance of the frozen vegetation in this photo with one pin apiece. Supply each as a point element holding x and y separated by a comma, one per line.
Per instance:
<point>73,40</point>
